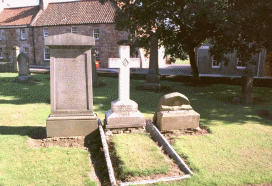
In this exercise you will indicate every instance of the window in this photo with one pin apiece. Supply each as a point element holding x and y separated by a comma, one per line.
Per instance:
<point>96,33</point>
<point>23,33</point>
<point>1,53</point>
<point>46,53</point>
<point>26,50</point>
<point>215,62</point>
<point>241,64</point>
<point>1,35</point>
<point>97,56</point>
<point>73,30</point>
<point>45,32</point>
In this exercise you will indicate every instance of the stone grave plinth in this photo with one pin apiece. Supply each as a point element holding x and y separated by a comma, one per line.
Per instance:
<point>23,61</point>
<point>175,113</point>
<point>71,91</point>
<point>124,112</point>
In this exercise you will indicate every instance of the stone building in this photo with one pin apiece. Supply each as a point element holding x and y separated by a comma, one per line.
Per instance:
<point>209,65</point>
<point>24,28</point>
<point>16,32</point>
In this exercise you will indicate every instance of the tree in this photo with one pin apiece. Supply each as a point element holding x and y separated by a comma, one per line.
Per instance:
<point>183,25</point>
<point>248,29</point>
<point>180,25</point>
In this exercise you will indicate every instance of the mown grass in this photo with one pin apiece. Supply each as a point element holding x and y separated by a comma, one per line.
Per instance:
<point>182,62</point>
<point>139,155</point>
<point>237,152</point>
<point>24,107</point>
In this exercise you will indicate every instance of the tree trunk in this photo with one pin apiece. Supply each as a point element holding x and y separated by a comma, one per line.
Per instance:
<point>193,64</point>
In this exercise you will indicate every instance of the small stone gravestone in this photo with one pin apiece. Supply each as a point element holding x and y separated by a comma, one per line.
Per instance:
<point>70,86</point>
<point>247,83</point>
<point>23,61</point>
<point>124,112</point>
<point>174,112</point>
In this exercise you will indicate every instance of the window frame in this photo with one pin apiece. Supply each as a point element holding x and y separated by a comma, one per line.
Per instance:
<point>1,34</point>
<point>46,53</point>
<point>74,31</point>
<point>239,67</point>
<point>97,56</point>
<point>26,52</point>
<point>23,32</point>
<point>1,53</point>
<point>96,34</point>
<point>215,66</point>
<point>45,32</point>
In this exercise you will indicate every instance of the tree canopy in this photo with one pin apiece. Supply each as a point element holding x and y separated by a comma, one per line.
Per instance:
<point>183,25</point>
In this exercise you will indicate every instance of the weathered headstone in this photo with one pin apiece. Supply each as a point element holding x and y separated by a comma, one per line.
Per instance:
<point>70,86</point>
<point>23,61</point>
<point>124,112</point>
<point>153,78</point>
<point>15,54</point>
<point>174,112</point>
<point>247,83</point>
<point>96,82</point>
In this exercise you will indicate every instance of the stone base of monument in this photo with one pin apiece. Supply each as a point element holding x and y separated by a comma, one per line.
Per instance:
<point>177,120</point>
<point>23,78</point>
<point>67,126</point>
<point>124,114</point>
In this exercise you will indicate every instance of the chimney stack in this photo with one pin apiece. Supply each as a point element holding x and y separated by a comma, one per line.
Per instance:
<point>2,5</point>
<point>43,4</point>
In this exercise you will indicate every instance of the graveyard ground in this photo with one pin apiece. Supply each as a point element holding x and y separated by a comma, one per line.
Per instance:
<point>236,152</point>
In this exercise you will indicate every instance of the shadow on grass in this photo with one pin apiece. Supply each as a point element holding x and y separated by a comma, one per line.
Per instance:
<point>35,90</point>
<point>94,145</point>
<point>31,131</point>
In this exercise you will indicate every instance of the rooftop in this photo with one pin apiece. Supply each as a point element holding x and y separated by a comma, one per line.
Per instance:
<point>76,12</point>
<point>18,16</point>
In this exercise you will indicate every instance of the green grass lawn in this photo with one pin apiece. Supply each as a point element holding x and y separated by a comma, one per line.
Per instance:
<point>24,108</point>
<point>237,152</point>
<point>182,62</point>
<point>139,155</point>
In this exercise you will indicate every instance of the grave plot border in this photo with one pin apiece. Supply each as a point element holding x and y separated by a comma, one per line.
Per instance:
<point>156,136</point>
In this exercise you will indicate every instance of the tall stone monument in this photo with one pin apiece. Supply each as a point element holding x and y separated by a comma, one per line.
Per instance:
<point>70,86</point>
<point>124,112</point>
<point>23,61</point>
<point>153,78</point>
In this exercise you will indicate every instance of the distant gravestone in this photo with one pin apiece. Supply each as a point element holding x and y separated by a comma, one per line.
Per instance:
<point>70,86</point>
<point>23,61</point>
<point>124,112</point>
<point>174,112</point>
<point>153,78</point>
<point>247,84</point>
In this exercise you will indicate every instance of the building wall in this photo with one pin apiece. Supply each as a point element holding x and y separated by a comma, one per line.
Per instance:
<point>11,38</point>
<point>106,46</point>
<point>204,61</point>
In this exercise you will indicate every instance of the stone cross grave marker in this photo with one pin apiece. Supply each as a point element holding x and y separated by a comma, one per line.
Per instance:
<point>23,61</point>
<point>71,90</point>
<point>124,63</point>
<point>124,112</point>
